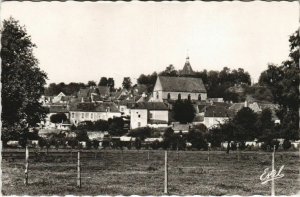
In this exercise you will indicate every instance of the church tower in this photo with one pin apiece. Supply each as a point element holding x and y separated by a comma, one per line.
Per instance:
<point>187,68</point>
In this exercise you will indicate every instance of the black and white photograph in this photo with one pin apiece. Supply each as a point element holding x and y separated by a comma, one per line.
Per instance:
<point>102,98</point>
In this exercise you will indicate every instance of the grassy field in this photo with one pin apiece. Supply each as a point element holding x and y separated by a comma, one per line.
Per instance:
<point>190,173</point>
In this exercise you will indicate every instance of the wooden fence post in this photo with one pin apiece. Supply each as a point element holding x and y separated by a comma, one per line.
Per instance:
<point>166,173</point>
<point>122,158</point>
<point>273,168</point>
<point>26,165</point>
<point>78,170</point>
<point>238,151</point>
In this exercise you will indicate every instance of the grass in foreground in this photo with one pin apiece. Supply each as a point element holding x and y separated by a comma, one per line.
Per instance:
<point>189,174</point>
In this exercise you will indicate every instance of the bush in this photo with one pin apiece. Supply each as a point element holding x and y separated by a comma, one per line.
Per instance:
<point>72,142</point>
<point>286,144</point>
<point>42,143</point>
<point>95,144</point>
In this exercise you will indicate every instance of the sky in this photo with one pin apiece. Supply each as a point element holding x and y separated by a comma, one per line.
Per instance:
<point>82,41</point>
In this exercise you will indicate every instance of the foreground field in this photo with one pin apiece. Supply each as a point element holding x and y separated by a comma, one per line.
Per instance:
<point>141,172</point>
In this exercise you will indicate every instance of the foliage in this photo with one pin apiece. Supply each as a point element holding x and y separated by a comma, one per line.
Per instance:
<point>197,139</point>
<point>22,80</point>
<point>116,126</point>
<point>169,71</point>
<point>286,144</point>
<point>91,83</point>
<point>58,118</point>
<point>81,135</point>
<point>101,125</point>
<point>142,132</point>
<point>126,84</point>
<point>148,80</point>
<point>95,144</point>
<point>283,81</point>
<point>107,82</point>
<point>184,111</point>
<point>69,89</point>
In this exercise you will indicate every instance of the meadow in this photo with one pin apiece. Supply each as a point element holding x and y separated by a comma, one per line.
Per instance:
<point>128,172</point>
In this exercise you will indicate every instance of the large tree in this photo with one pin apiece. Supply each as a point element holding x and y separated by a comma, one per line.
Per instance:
<point>126,83</point>
<point>184,111</point>
<point>22,79</point>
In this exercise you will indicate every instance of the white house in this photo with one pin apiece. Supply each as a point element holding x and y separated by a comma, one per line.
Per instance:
<point>174,88</point>
<point>215,115</point>
<point>149,114</point>
<point>93,111</point>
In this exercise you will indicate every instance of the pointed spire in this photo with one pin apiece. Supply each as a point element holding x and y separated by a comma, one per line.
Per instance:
<point>187,68</point>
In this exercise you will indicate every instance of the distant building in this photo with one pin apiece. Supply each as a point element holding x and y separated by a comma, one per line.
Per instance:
<point>257,107</point>
<point>93,94</point>
<point>91,111</point>
<point>153,114</point>
<point>174,88</point>
<point>215,115</point>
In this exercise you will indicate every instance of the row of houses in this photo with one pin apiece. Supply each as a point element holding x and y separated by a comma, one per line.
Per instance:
<point>154,109</point>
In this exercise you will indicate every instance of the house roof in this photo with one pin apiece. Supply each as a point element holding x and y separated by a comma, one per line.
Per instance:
<point>216,111</point>
<point>182,84</point>
<point>58,109</point>
<point>151,106</point>
<point>94,107</point>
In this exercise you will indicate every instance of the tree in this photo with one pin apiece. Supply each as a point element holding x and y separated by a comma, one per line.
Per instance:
<point>148,80</point>
<point>111,84</point>
<point>91,83</point>
<point>184,111</point>
<point>245,123</point>
<point>58,118</point>
<point>169,71</point>
<point>22,80</point>
<point>116,126</point>
<point>126,83</point>
<point>103,81</point>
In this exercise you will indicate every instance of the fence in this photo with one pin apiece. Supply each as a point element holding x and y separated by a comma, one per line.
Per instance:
<point>165,170</point>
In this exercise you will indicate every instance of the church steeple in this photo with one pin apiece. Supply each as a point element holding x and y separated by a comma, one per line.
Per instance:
<point>187,68</point>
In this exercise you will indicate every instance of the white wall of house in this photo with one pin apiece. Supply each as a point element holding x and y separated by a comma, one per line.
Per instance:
<point>214,121</point>
<point>79,116</point>
<point>138,118</point>
<point>159,115</point>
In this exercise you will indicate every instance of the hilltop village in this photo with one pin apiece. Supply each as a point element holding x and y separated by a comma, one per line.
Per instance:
<point>138,108</point>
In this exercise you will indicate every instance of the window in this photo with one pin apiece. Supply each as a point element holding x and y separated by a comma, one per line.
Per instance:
<point>139,115</point>
<point>139,124</point>
<point>150,115</point>
<point>169,96</point>
<point>157,95</point>
<point>86,115</point>
<point>189,97</point>
<point>92,116</point>
<point>179,96</point>
<point>82,115</point>
<point>73,115</point>
<point>199,97</point>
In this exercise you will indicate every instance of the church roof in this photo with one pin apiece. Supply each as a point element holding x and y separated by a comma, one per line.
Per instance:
<point>182,84</point>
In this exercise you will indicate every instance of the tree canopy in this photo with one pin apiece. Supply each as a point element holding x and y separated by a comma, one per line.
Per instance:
<point>22,79</point>
<point>127,83</point>
<point>184,111</point>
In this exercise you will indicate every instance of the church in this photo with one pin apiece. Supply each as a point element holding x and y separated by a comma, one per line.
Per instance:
<point>174,88</point>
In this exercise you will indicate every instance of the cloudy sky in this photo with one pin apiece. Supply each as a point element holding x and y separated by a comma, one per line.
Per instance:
<point>85,41</point>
